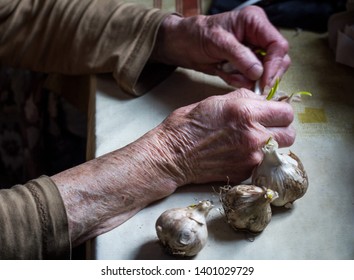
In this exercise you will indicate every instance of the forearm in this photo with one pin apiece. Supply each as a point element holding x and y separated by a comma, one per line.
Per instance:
<point>103,193</point>
<point>216,139</point>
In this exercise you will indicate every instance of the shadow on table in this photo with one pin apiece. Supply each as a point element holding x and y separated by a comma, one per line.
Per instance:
<point>153,250</point>
<point>180,89</point>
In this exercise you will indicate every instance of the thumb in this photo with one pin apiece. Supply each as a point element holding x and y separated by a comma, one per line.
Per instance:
<point>241,59</point>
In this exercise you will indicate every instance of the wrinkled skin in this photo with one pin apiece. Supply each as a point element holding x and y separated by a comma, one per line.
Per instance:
<point>203,42</point>
<point>221,137</point>
<point>217,139</point>
<point>212,140</point>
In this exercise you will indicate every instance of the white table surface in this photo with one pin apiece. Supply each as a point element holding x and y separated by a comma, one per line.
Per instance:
<point>320,226</point>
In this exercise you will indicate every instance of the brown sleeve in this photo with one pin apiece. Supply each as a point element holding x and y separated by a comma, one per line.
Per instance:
<point>33,222</point>
<point>82,37</point>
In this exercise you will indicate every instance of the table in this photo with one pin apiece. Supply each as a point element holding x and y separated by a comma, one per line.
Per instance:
<point>320,226</point>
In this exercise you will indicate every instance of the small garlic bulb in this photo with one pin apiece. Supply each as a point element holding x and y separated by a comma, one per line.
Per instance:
<point>282,173</point>
<point>247,207</point>
<point>183,231</point>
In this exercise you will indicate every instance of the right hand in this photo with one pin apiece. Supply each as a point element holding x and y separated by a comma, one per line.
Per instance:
<point>221,137</point>
<point>217,139</point>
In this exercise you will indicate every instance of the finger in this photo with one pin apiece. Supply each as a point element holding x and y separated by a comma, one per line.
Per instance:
<point>262,33</point>
<point>274,114</point>
<point>274,70</point>
<point>283,68</point>
<point>284,136</point>
<point>241,57</point>
<point>228,99</point>
<point>276,47</point>
<point>243,93</point>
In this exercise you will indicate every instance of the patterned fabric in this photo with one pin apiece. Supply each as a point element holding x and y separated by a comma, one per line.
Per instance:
<point>40,133</point>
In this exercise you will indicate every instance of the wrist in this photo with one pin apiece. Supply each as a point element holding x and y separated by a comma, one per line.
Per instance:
<point>165,39</point>
<point>164,155</point>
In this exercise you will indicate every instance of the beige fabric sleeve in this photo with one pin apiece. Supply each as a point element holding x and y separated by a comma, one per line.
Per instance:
<point>83,37</point>
<point>33,222</point>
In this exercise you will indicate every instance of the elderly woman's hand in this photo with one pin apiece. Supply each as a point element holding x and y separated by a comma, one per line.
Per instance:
<point>217,139</point>
<point>203,43</point>
<point>222,136</point>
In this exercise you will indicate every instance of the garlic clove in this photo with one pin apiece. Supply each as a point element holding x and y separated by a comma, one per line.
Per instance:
<point>283,173</point>
<point>183,231</point>
<point>247,207</point>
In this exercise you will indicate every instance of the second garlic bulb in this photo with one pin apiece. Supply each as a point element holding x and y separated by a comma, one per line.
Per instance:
<point>247,207</point>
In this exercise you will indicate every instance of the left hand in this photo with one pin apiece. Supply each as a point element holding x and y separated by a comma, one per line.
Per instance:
<point>203,43</point>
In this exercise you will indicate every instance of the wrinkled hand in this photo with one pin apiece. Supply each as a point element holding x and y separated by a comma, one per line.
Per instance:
<point>204,42</point>
<point>221,137</point>
<point>217,139</point>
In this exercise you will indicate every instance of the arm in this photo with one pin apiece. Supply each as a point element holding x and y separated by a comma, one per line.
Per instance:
<point>89,32</point>
<point>93,37</point>
<point>82,37</point>
<point>103,193</point>
<point>218,138</point>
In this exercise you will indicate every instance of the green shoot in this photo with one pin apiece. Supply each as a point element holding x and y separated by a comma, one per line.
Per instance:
<point>273,90</point>
<point>268,141</point>
<point>269,194</point>
<point>261,52</point>
<point>304,93</point>
<point>300,93</point>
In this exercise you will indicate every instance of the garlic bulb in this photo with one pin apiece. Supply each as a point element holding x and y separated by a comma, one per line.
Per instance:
<point>282,173</point>
<point>247,207</point>
<point>183,231</point>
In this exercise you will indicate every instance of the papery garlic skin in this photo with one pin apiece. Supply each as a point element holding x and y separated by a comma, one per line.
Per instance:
<point>183,231</point>
<point>282,173</point>
<point>247,207</point>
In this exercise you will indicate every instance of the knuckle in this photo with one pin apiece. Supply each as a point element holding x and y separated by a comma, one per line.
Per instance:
<point>255,158</point>
<point>287,59</point>
<point>242,113</point>
<point>288,113</point>
<point>287,137</point>
<point>253,9</point>
<point>284,45</point>
<point>291,135</point>
<point>253,140</point>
